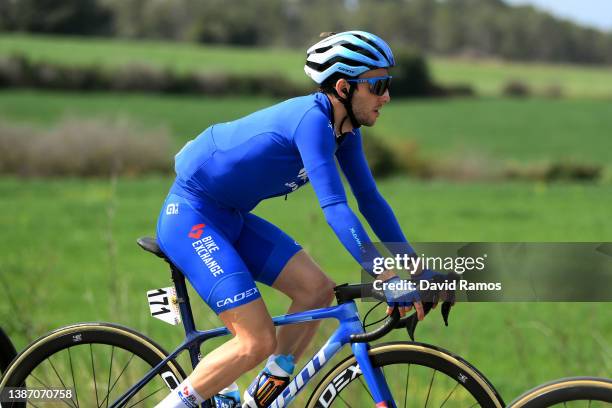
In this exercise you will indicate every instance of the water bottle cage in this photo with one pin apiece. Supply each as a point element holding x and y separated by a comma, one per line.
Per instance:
<point>265,393</point>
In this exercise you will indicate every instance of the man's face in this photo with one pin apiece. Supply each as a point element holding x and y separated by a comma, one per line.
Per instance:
<point>367,105</point>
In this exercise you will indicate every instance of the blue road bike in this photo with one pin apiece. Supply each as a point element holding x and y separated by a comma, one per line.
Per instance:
<point>107,365</point>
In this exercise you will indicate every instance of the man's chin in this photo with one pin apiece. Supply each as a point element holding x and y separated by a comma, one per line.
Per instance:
<point>369,123</point>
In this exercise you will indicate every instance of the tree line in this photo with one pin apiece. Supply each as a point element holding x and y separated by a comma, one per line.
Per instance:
<point>481,28</point>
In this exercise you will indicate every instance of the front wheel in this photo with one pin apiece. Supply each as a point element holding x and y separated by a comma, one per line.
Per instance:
<point>418,375</point>
<point>580,391</point>
<point>97,362</point>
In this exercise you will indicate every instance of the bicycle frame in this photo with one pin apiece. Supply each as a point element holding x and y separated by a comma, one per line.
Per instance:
<point>349,323</point>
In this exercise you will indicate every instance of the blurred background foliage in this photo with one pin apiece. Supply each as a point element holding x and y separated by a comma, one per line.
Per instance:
<point>485,28</point>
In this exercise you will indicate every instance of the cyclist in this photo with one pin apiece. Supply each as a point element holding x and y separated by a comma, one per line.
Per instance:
<point>207,229</point>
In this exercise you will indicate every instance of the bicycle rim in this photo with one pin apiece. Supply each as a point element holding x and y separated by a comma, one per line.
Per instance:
<point>98,362</point>
<point>418,375</point>
<point>575,392</point>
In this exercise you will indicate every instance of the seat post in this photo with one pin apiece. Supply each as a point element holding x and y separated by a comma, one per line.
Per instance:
<point>150,244</point>
<point>186,314</point>
<point>183,299</point>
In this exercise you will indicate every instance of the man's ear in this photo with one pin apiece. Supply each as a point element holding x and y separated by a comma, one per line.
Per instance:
<point>342,88</point>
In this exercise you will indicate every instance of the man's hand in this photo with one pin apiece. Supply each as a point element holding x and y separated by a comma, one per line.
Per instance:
<point>398,292</point>
<point>406,297</point>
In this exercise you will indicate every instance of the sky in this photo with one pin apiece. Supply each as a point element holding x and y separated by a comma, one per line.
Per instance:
<point>594,13</point>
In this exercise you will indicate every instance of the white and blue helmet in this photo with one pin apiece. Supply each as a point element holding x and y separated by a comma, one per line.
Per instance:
<point>350,53</point>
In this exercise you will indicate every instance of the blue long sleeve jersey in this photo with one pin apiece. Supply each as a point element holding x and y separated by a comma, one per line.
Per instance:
<point>275,151</point>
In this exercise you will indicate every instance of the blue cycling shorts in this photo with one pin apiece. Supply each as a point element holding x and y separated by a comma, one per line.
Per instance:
<point>222,251</point>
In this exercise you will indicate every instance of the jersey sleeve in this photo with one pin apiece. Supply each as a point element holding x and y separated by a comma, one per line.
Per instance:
<point>315,140</point>
<point>316,143</point>
<point>372,204</point>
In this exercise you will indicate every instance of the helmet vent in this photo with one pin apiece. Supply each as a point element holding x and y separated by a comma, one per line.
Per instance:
<point>360,50</point>
<point>322,50</point>
<point>327,64</point>
<point>372,43</point>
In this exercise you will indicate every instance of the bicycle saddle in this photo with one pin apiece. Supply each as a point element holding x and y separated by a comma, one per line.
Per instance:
<point>150,244</point>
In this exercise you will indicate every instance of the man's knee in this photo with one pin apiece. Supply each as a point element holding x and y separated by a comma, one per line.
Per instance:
<point>305,283</point>
<point>318,293</point>
<point>256,347</point>
<point>327,292</point>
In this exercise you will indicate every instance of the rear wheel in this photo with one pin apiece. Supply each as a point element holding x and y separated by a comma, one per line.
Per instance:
<point>418,375</point>
<point>575,392</point>
<point>98,361</point>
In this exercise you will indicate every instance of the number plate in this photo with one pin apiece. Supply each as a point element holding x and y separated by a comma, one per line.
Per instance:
<point>163,305</point>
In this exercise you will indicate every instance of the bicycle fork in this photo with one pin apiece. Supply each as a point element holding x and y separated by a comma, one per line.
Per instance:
<point>374,377</point>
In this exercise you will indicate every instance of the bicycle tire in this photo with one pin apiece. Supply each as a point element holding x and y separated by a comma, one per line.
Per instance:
<point>7,351</point>
<point>566,390</point>
<point>128,349</point>
<point>424,357</point>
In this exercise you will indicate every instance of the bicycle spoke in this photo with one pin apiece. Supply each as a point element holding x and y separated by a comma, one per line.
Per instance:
<point>48,387</point>
<point>365,388</point>
<point>73,380</point>
<point>449,395</point>
<point>154,392</point>
<point>57,374</point>
<point>345,403</point>
<point>59,378</point>
<point>120,374</point>
<point>407,380</point>
<point>40,381</point>
<point>93,370</point>
<point>429,390</point>
<point>109,377</point>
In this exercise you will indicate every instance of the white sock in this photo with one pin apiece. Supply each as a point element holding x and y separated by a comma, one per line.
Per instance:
<point>183,396</point>
<point>233,387</point>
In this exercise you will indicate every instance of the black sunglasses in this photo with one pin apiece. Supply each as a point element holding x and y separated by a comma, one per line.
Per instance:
<point>378,85</point>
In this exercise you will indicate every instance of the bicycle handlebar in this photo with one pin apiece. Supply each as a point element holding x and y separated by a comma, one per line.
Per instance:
<point>367,290</point>
<point>389,325</point>
<point>350,292</point>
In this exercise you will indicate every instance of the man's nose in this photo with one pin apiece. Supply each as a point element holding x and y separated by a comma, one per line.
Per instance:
<point>386,97</point>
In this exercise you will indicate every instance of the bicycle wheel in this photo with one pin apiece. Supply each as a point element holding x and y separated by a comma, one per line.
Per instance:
<point>417,374</point>
<point>569,392</point>
<point>99,361</point>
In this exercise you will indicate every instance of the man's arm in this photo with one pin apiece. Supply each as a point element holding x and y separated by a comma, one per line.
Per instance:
<point>371,203</point>
<point>316,143</point>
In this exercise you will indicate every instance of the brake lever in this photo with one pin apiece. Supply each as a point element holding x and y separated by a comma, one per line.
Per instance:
<point>410,322</point>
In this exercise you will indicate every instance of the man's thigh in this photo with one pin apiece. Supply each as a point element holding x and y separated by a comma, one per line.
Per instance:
<point>264,248</point>
<point>206,257</point>
<point>303,280</point>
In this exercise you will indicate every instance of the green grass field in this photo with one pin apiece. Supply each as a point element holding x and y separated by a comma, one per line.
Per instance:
<point>68,245</point>
<point>487,77</point>
<point>492,129</point>
<point>69,254</point>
